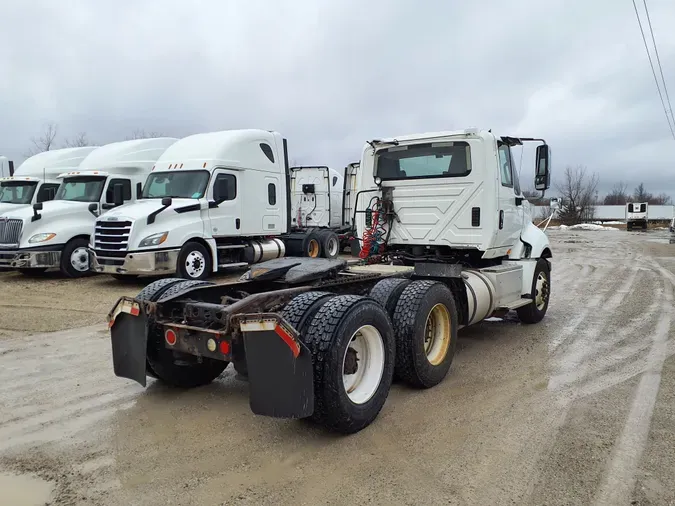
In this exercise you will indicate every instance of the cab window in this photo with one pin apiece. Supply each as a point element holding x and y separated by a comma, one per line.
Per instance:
<point>505,168</point>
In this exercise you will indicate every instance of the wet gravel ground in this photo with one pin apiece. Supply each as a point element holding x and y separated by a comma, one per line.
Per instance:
<point>579,409</point>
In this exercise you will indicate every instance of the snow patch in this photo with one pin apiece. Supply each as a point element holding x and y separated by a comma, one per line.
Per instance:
<point>585,226</point>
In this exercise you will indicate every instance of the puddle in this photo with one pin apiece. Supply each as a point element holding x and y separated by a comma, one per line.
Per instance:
<point>24,490</point>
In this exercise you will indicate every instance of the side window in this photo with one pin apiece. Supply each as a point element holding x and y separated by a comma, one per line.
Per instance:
<point>268,151</point>
<point>110,192</point>
<point>47,192</point>
<point>225,187</point>
<point>272,194</point>
<point>505,168</point>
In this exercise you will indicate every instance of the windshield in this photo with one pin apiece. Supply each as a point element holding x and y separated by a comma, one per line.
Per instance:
<point>17,192</point>
<point>434,159</point>
<point>81,189</point>
<point>185,184</point>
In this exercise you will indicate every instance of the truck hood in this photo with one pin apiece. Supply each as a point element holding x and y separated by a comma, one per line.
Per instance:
<point>9,208</point>
<point>142,208</point>
<point>52,209</point>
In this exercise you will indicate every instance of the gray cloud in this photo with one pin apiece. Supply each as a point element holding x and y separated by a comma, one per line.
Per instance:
<point>330,75</point>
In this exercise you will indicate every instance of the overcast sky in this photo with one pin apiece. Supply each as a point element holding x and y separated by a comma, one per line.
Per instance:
<point>331,74</point>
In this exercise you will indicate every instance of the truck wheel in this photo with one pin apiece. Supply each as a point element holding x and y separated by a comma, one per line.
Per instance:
<point>425,324</point>
<point>180,369</point>
<point>194,261</point>
<point>151,293</point>
<point>387,292</point>
<point>541,292</point>
<point>300,311</point>
<point>311,246</point>
<point>352,344</point>
<point>75,258</point>
<point>330,243</point>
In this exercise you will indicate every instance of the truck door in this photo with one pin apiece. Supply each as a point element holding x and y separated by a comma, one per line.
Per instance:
<point>224,204</point>
<point>511,212</point>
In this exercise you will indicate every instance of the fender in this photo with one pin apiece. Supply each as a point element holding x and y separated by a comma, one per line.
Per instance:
<point>537,240</point>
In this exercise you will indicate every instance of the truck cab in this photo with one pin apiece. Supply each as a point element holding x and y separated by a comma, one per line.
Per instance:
<point>35,180</point>
<point>213,200</point>
<point>55,234</point>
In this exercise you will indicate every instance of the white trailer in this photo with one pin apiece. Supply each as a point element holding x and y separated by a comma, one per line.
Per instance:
<point>35,180</point>
<point>637,215</point>
<point>449,241</point>
<point>214,201</point>
<point>56,233</point>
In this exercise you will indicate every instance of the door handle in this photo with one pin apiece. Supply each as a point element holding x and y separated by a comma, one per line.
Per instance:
<point>237,223</point>
<point>501,220</point>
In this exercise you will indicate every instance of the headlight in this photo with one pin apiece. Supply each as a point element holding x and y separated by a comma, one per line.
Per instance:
<point>41,238</point>
<point>154,240</point>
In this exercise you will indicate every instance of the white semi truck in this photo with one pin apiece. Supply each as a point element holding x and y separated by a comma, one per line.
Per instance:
<point>320,204</point>
<point>6,167</point>
<point>56,233</point>
<point>637,215</point>
<point>449,241</point>
<point>35,180</point>
<point>214,200</point>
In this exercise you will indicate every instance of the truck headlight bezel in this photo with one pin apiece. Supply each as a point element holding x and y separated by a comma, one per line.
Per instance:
<point>153,240</point>
<point>44,237</point>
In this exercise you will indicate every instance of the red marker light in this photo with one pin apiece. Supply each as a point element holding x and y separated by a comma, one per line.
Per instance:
<point>170,337</point>
<point>224,347</point>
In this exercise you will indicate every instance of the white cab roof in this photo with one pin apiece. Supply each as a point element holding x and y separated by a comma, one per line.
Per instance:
<point>232,148</point>
<point>125,157</point>
<point>50,164</point>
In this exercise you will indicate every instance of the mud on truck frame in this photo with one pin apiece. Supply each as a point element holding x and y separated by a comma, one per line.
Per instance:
<point>321,339</point>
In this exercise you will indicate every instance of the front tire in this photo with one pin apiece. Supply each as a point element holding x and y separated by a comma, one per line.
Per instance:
<point>425,323</point>
<point>353,351</point>
<point>75,258</point>
<point>194,262</point>
<point>541,293</point>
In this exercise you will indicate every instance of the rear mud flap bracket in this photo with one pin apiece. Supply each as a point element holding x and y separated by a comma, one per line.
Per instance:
<point>280,373</point>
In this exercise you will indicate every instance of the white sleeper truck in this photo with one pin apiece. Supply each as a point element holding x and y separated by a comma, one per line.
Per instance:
<point>35,180</point>
<point>320,204</point>
<point>6,167</point>
<point>56,233</point>
<point>214,200</point>
<point>637,215</point>
<point>449,241</point>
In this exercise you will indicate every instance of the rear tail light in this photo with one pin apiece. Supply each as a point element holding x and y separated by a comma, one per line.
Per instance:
<point>170,337</point>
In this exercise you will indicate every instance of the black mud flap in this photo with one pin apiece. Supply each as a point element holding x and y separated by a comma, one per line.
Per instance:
<point>281,384</point>
<point>129,337</point>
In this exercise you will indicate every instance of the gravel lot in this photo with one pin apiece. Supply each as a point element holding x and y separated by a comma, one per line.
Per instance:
<point>579,409</point>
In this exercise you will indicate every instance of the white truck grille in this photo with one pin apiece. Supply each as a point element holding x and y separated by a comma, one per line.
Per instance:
<point>112,235</point>
<point>10,231</point>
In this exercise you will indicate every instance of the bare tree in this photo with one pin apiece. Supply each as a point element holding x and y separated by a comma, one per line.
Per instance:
<point>77,141</point>
<point>140,133</point>
<point>618,196</point>
<point>640,194</point>
<point>662,199</point>
<point>578,192</point>
<point>45,141</point>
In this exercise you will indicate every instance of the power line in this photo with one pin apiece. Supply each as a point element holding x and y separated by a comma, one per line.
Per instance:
<point>658,61</point>
<point>651,63</point>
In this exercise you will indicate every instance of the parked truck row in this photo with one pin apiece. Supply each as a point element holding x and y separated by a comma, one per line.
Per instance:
<point>445,237</point>
<point>145,207</point>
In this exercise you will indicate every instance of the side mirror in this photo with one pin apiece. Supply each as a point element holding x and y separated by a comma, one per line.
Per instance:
<point>542,171</point>
<point>37,206</point>
<point>166,201</point>
<point>118,194</point>
<point>93,209</point>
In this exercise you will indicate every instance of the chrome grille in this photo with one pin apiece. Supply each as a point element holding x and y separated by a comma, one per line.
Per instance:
<point>10,231</point>
<point>112,235</point>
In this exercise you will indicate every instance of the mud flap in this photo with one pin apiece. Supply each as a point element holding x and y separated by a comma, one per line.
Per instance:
<point>129,337</point>
<point>281,384</point>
